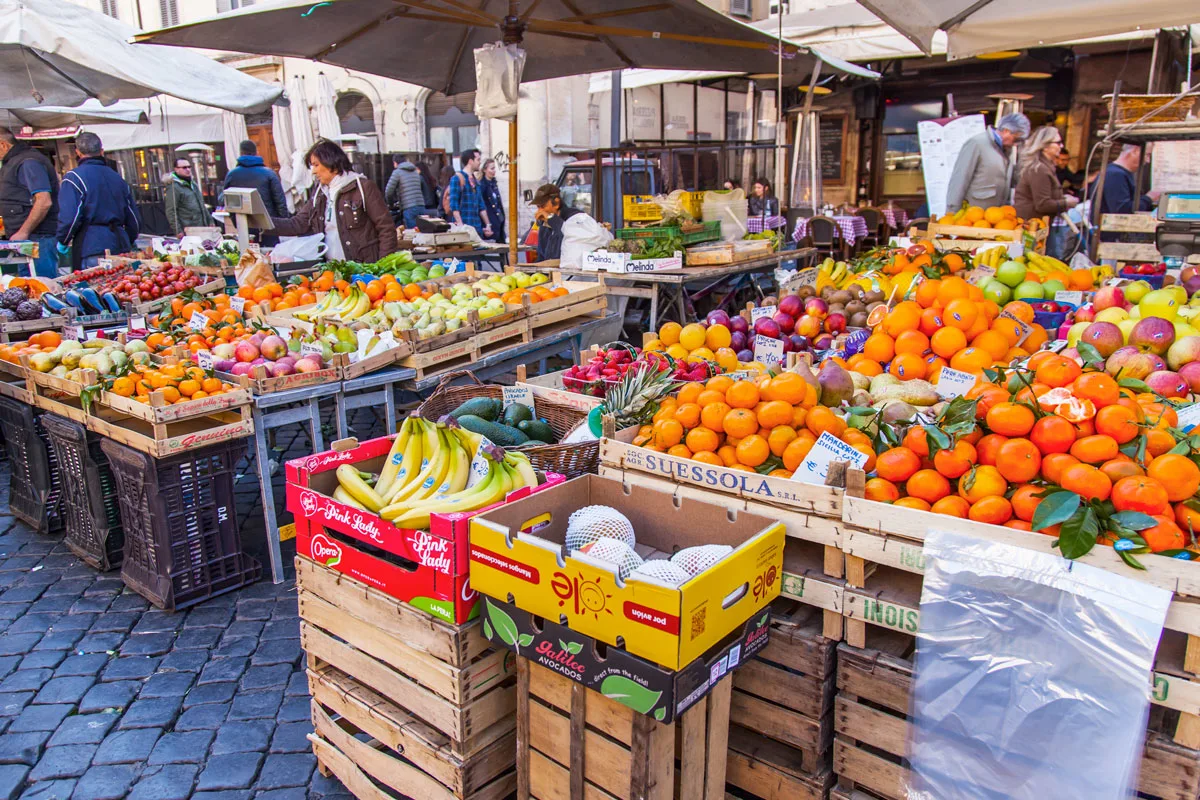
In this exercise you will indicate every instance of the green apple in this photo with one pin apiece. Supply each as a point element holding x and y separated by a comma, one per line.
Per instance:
<point>1053,287</point>
<point>1112,314</point>
<point>1075,332</point>
<point>1163,303</point>
<point>1028,290</point>
<point>1126,326</point>
<point>997,292</point>
<point>523,279</point>
<point>1011,274</point>
<point>1134,292</point>
<point>538,278</point>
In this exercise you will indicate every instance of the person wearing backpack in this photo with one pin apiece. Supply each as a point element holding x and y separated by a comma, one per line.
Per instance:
<point>463,202</point>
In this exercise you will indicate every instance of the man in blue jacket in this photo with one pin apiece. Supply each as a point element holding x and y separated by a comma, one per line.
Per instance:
<point>252,172</point>
<point>95,207</point>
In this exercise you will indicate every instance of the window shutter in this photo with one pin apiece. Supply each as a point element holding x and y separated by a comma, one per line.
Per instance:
<point>109,8</point>
<point>742,8</point>
<point>222,6</point>
<point>169,12</point>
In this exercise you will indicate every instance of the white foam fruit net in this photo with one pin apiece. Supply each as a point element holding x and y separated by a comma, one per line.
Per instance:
<point>695,560</point>
<point>662,571</point>
<point>617,553</point>
<point>591,523</point>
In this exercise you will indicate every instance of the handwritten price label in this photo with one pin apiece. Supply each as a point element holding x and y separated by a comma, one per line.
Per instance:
<point>205,359</point>
<point>198,321</point>
<point>953,383</point>
<point>238,304</point>
<point>768,350</point>
<point>762,312</point>
<point>827,450</point>
<point>518,394</point>
<point>1022,326</point>
<point>1074,298</point>
<point>1189,417</point>
<point>311,349</point>
<point>74,333</point>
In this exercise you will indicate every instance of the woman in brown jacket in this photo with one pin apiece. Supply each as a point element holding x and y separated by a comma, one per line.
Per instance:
<point>347,207</point>
<point>1039,194</point>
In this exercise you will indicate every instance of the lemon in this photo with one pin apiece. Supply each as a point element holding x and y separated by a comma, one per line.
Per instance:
<point>692,336</point>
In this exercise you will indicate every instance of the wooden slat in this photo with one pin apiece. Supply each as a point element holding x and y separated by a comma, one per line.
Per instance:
<point>876,773</point>
<point>768,768</point>
<point>779,723</point>
<point>717,708</point>
<point>551,781</point>
<point>613,719</point>
<point>808,696</point>
<point>606,764</point>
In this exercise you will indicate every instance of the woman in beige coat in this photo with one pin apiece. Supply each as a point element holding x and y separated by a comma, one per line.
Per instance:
<point>1039,193</point>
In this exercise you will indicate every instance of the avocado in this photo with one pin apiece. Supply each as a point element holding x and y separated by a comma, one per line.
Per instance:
<point>516,413</point>
<point>486,408</point>
<point>503,435</point>
<point>537,429</point>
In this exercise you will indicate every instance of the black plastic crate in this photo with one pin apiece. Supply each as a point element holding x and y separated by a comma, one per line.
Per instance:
<point>34,483</point>
<point>90,506</point>
<point>182,544</point>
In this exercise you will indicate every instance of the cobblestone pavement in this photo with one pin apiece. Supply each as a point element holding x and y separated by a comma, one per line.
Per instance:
<point>103,696</point>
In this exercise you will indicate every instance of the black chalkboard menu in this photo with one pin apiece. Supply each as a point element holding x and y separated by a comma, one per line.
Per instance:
<point>833,147</point>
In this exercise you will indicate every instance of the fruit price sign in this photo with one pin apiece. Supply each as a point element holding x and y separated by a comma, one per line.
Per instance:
<point>1021,325</point>
<point>762,312</point>
<point>238,304</point>
<point>514,395</point>
<point>1074,298</point>
<point>953,383</point>
<point>74,333</point>
<point>768,350</point>
<point>198,321</point>
<point>827,450</point>
<point>1189,417</point>
<point>204,359</point>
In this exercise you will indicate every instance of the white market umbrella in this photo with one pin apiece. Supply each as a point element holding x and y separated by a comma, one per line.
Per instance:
<point>54,52</point>
<point>974,27</point>
<point>234,128</point>
<point>328,125</point>
<point>281,135</point>
<point>44,117</point>
<point>302,140</point>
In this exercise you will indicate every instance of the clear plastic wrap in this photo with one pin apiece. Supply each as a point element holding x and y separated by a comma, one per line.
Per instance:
<point>1032,675</point>
<point>498,71</point>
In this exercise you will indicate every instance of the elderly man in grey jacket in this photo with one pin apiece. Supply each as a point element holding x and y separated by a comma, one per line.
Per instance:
<point>985,173</point>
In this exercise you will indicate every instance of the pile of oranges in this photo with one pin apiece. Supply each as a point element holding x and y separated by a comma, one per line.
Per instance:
<point>1001,218</point>
<point>766,425</point>
<point>177,383</point>
<point>42,342</point>
<point>384,289</point>
<point>1067,429</point>
<point>536,294</point>
<point>947,323</point>
<point>226,324</point>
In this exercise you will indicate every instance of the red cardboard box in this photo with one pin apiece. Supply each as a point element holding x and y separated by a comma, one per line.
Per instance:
<point>432,566</point>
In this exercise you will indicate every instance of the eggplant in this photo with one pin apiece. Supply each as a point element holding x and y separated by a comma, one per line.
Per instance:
<point>111,301</point>
<point>75,299</point>
<point>55,304</point>
<point>92,299</point>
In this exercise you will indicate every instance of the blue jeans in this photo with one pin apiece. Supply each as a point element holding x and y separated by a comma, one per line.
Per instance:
<point>410,216</point>
<point>46,264</point>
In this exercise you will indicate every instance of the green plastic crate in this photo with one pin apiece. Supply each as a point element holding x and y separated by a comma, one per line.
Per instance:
<point>709,232</point>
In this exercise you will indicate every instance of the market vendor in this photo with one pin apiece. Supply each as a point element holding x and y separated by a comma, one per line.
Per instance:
<point>550,216</point>
<point>347,207</point>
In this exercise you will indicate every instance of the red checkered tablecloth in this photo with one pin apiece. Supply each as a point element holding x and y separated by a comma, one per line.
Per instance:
<point>760,224</point>
<point>852,228</point>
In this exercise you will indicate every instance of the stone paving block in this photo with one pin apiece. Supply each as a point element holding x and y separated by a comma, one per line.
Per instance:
<point>115,694</point>
<point>210,693</point>
<point>292,737</point>
<point>9,664</point>
<point>256,704</point>
<point>167,684</point>
<point>115,622</point>
<point>295,709</point>
<point>268,677</point>
<point>156,621</point>
<point>222,670</point>
<point>231,771</point>
<point>39,718</point>
<point>64,690</point>
<point>234,648</point>
<point>322,787</point>
<point>33,623</point>
<point>295,793</point>
<point>243,737</point>
<point>75,622</point>
<point>218,617</point>
<point>228,794</point>
<point>147,644</point>
<point>11,703</point>
<point>59,640</point>
<point>22,748</point>
<point>197,639</point>
<point>126,668</point>
<point>100,643</point>
<point>49,790</point>
<point>170,782</point>
<point>129,746</point>
<point>12,778</point>
<point>42,659</point>
<point>25,680</point>
<point>297,684</point>
<point>91,604</point>
<point>129,600</point>
<point>254,610</point>
<point>83,729</point>
<point>24,594</point>
<point>185,661</point>
<point>153,712</point>
<point>108,587</point>
<point>190,747</point>
<point>204,717</point>
<point>279,651</point>
<point>18,644</point>
<point>286,607</point>
<point>107,782</point>
<point>89,664</point>
<point>282,629</point>
<point>284,771</point>
<point>65,761</point>
<point>54,602</point>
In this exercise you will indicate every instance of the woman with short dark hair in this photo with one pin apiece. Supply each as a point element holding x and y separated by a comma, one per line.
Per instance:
<point>347,207</point>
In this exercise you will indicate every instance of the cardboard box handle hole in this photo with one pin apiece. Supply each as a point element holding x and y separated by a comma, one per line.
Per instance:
<point>735,595</point>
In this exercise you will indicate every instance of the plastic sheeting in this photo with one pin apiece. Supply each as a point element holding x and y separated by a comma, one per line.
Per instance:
<point>498,70</point>
<point>1032,675</point>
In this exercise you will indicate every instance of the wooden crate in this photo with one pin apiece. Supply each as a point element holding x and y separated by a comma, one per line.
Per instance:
<point>885,562</point>
<point>573,743</point>
<point>469,350</point>
<point>19,330</point>
<point>170,438</point>
<point>441,674</point>
<point>781,709</point>
<point>872,730</point>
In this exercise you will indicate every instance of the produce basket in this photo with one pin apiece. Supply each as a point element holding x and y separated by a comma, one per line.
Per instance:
<point>182,543</point>
<point>694,233</point>
<point>571,460</point>
<point>1132,107</point>
<point>1155,281</point>
<point>91,512</point>
<point>34,481</point>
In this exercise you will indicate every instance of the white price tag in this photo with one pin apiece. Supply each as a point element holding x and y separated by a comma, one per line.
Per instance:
<point>1115,281</point>
<point>782,276</point>
<point>744,375</point>
<point>311,349</point>
<point>93,334</point>
<point>205,360</point>
<point>517,394</point>
<point>237,303</point>
<point>198,321</point>
<point>1074,298</point>
<point>137,323</point>
<point>104,263</point>
<point>761,312</point>
<point>74,333</point>
<point>1022,326</point>
<point>1189,417</point>
<point>827,450</point>
<point>480,464</point>
<point>768,350</point>
<point>980,275</point>
<point>1016,249</point>
<point>807,277</point>
<point>953,383</point>
<point>387,339</point>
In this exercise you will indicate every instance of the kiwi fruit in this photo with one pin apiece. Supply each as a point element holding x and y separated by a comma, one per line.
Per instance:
<point>805,292</point>
<point>875,296</point>
<point>858,319</point>
<point>837,308</point>
<point>855,306</point>
<point>840,297</point>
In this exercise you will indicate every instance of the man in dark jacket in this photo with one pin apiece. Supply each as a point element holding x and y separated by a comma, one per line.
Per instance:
<point>95,207</point>
<point>185,204</point>
<point>403,192</point>
<point>551,214</point>
<point>252,172</point>
<point>29,200</point>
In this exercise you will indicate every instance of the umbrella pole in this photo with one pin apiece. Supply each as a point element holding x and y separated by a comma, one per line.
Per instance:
<point>514,225</point>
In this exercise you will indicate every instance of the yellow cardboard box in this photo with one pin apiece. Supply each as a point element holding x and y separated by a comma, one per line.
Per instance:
<point>671,626</point>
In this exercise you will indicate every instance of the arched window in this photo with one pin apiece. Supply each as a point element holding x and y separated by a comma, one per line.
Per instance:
<point>450,121</point>
<point>356,113</point>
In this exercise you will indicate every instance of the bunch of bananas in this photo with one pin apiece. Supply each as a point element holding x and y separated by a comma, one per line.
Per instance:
<point>354,305</point>
<point>427,472</point>
<point>833,273</point>
<point>1035,262</point>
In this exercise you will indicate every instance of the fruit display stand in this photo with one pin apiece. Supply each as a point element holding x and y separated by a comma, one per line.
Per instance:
<point>401,699</point>
<point>1140,226</point>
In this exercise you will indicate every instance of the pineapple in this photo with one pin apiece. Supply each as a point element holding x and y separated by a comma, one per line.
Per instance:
<point>634,398</point>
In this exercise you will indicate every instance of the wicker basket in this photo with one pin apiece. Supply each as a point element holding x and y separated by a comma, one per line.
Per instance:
<point>1132,107</point>
<point>571,460</point>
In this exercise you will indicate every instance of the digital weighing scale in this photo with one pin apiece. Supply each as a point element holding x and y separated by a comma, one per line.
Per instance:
<point>1178,234</point>
<point>248,211</point>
